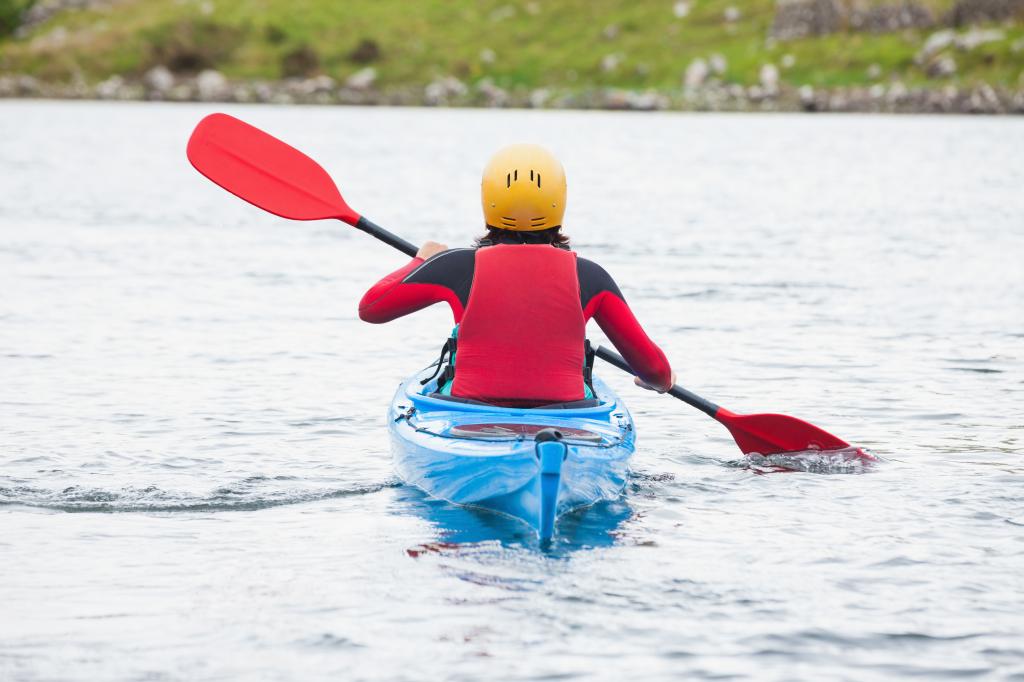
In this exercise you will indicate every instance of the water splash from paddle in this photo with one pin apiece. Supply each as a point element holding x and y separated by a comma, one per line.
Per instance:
<point>852,460</point>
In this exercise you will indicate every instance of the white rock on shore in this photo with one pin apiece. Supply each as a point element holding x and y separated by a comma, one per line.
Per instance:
<point>943,40</point>
<point>493,95</point>
<point>936,42</point>
<point>539,98</point>
<point>212,85</point>
<point>977,37</point>
<point>442,90</point>
<point>769,79</point>
<point>610,62</point>
<point>363,79</point>
<point>110,88</point>
<point>159,80</point>
<point>942,67</point>
<point>18,86</point>
<point>696,73</point>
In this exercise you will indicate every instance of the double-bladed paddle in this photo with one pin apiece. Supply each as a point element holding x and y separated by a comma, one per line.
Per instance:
<point>274,176</point>
<point>765,434</point>
<point>278,178</point>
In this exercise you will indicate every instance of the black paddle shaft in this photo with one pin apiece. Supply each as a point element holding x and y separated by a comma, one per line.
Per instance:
<point>677,391</point>
<point>389,238</point>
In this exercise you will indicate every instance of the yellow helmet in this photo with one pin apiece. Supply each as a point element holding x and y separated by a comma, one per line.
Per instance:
<point>523,189</point>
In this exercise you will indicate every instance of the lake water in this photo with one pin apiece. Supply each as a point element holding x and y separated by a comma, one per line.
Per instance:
<point>195,480</point>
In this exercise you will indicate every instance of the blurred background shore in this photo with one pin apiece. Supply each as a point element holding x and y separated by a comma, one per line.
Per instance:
<point>941,56</point>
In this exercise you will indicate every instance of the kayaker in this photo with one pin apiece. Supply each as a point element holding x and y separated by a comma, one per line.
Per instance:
<point>520,297</point>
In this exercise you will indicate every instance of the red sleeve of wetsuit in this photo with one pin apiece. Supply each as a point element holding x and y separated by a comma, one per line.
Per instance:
<point>624,331</point>
<point>393,296</point>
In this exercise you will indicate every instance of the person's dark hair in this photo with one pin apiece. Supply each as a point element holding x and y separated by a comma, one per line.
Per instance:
<point>552,235</point>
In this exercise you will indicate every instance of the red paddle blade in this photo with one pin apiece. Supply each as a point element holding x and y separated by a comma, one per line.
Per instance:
<point>772,434</point>
<point>265,171</point>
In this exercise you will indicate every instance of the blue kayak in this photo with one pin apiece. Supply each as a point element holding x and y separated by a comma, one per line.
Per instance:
<point>533,464</point>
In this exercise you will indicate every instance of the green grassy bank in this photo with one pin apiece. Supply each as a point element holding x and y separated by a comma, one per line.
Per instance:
<point>567,44</point>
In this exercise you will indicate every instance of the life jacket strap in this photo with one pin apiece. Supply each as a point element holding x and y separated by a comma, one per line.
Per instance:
<point>446,372</point>
<point>589,353</point>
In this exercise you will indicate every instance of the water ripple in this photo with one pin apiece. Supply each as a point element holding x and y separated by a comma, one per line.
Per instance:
<point>192,354</point>
<point>249,494</point>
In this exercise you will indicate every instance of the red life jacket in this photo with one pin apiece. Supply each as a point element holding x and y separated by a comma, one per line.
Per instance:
<point>521,337</point>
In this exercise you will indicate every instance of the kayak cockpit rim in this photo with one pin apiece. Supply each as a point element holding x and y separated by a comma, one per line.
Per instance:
<point>418,394</point>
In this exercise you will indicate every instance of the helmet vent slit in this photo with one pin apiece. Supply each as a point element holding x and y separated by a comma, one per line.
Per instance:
<point>508,180</point>
<point>515,174</point>
<point>538,179</point>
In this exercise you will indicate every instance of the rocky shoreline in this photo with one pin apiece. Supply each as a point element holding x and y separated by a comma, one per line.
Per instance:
<point>803,18</point>
<point>698,94</point>
<point>946,43</point>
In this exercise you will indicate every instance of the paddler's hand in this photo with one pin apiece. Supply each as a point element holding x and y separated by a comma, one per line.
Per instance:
<point>643,384</point>
<point>430,249</point>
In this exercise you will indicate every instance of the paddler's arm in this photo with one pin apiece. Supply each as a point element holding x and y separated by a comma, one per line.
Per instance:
<point>624,331</point>
<point>606,304</point>
<point>395,296</point>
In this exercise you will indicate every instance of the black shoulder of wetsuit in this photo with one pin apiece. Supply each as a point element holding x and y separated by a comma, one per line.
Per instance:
<point>593,280</point>
<point>452,269</point>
